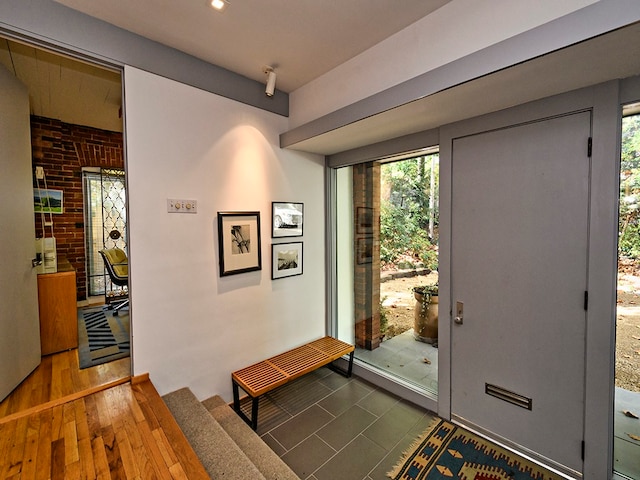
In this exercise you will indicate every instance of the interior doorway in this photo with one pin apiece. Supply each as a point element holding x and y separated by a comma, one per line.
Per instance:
<point>627,373</point>
<point>75,107</point>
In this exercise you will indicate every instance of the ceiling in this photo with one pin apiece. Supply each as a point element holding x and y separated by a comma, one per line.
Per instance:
<point>65,89</point>
<point>301,39</point>
<point>615,55</point>
<point>254,33</point>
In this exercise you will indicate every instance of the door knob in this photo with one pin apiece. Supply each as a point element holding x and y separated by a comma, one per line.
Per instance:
<point>459,318</point>
<point>35,262</point>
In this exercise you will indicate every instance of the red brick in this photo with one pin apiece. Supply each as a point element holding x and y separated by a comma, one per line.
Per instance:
<point>62,150</point>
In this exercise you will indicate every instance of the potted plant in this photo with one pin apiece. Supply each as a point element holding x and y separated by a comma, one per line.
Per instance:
<point>425,314</point>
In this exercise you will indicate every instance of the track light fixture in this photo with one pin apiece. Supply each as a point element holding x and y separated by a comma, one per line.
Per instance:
<point>271,81</point>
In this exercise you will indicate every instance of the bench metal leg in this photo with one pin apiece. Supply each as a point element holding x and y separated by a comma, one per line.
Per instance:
<point>342,371</point>
<point>253,421</point>
<point>254,413</point>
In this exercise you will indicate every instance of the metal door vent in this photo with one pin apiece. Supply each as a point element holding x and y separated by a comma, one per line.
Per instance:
<point>508,396</point>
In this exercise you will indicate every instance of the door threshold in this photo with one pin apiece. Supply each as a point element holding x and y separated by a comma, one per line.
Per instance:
<point>524,452</point>
<point>405,390</point>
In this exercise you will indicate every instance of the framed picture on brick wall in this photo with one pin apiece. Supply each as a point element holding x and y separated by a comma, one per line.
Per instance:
<point>364,250</point>
<point>46,200</point>
<point>364,220</point>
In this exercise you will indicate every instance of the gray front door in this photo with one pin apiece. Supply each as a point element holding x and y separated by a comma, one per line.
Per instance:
<point>520,204</point>
<point>19,324</point>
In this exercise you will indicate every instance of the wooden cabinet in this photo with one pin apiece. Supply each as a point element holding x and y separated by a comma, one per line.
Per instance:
<point>58,311</point>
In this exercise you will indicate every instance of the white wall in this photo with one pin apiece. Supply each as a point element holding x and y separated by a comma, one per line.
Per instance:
<point>190,326</point>
<point>457,29</point>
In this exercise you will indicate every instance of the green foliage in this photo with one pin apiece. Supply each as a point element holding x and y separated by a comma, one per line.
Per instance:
<point>427,291</point>
<point>629,220</point>
<point>406,212</point>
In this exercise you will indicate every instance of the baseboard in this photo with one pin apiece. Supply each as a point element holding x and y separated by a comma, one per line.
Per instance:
<point>136,379</point>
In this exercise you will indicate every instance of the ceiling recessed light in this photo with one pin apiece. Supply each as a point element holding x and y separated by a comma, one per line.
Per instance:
<point>219,5</point>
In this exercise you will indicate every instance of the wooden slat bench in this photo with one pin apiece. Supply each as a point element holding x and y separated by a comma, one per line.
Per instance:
<point>264,376</point>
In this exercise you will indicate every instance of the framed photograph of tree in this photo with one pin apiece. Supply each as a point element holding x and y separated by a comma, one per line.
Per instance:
<point>239,247</point>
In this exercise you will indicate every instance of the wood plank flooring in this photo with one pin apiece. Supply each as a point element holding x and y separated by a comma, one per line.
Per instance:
<point>123,432</point>
<point>59,376</point>
<point>63,422</point>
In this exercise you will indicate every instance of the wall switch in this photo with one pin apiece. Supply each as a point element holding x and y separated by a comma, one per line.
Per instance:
<point>182,206</point>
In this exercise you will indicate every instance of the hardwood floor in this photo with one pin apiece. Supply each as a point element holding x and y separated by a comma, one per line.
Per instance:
<point>63,422</point>
<point>59,378</point>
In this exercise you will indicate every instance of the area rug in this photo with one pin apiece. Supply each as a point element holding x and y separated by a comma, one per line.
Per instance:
<point>448,451</point>
<point>102,337</point>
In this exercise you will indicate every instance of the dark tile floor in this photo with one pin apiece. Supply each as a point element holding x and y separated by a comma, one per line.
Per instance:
<point>328,427</point>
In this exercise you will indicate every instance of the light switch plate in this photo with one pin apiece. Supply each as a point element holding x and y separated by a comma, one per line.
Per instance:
<point>182,206</point>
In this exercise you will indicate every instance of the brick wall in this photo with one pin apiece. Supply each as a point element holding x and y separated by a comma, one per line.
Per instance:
<point>366,221</point>
<point>62,150</point>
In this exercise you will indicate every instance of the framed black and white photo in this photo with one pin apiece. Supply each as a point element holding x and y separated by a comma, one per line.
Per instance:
<point>286,260</point>
<point>239,242</point>
<point>287,219</point>
<point>364,250</point>
<point>364,220</point>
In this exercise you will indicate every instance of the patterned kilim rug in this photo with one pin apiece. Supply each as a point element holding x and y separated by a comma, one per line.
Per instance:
<point>447,451</point>
<point>102,337</point>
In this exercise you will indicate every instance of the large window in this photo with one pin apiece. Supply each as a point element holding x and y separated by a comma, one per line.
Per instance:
<point>627,374</point>
<point>386,237</point>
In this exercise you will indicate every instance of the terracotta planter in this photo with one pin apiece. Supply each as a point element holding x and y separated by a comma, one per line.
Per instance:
<point>425,319</point>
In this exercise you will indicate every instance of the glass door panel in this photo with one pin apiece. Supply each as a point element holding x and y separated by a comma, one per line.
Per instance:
<point>386,225</point>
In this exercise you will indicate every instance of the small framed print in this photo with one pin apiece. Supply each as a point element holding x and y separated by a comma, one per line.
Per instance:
<point>239,242</point>
<point>46,200</point>
<point>286,260</point>
<point>364,250</point>
<point>364,220</point>
<point>287,219</point>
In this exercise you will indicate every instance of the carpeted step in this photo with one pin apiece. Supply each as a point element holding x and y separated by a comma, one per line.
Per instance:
<point>219,454</point>
<point>265,459</point>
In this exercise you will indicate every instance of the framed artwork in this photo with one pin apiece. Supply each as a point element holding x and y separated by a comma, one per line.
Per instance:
<point>239,242</point>
<point>47,200</point>
<point>287,219</point>
<point>364,220</point>
<point>364,250</point>
<point>286,260</point>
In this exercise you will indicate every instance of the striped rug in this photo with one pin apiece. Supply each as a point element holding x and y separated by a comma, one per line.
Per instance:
<point>102,337</point>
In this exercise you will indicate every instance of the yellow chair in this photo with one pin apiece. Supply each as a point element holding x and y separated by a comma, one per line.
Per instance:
<point>117,265</point>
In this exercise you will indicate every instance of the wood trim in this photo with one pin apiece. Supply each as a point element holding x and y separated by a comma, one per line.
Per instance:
<point>61,401</point>
<point>136,379</point>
